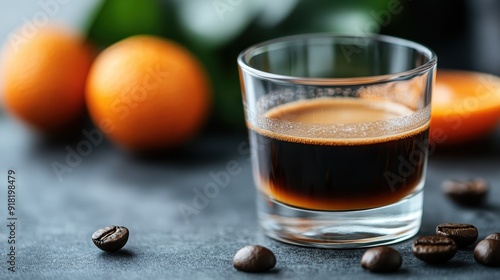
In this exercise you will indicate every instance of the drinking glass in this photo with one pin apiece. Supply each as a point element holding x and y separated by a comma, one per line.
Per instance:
<point>338,129</point>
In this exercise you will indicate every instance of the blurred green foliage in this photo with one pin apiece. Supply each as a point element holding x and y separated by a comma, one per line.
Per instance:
<point>118,19</point>
<point>217,30</point>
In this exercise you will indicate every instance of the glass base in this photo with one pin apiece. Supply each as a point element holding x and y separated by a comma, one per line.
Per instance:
<point>341,229</point>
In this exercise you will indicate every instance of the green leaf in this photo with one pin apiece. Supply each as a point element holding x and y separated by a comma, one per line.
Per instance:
<point>115,20</point>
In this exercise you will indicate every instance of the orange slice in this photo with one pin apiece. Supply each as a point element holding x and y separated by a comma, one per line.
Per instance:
<point>465,106</point>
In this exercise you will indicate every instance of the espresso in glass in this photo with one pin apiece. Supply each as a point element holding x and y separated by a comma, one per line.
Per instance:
<point>303,169</point>
<point>339,129</point>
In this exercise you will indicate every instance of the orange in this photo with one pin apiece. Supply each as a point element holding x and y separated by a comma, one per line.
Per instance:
<point>44,76</point>
<point>147,93</point>
<point>465,106</point>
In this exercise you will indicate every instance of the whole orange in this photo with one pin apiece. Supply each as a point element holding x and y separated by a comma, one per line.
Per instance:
<point>148,93</point>
<point>44,76</point>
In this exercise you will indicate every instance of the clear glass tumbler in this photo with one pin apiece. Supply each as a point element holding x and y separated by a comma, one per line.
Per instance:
<point>339,129</point>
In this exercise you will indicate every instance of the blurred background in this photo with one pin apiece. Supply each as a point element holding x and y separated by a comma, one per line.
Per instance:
<point>464,33</point>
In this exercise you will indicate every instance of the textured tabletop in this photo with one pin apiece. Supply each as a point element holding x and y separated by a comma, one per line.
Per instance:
<point>56,215</point>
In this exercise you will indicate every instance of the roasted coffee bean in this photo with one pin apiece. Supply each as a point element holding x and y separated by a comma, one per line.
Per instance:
<point>381,259</point>
<point>463,234</point>
<point>487,252</point>
<point>254,258</point>
<point>469,192</point>
<point>494,236</point>
<point>434,249</point>
<point>111,238</point>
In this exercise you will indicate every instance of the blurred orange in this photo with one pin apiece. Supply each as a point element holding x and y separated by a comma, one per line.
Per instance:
<point>465,106</point>
<point>44,77</point>
<point>147,93</point>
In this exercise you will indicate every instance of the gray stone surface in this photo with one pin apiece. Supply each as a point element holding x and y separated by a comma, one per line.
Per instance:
<point>56,218</point>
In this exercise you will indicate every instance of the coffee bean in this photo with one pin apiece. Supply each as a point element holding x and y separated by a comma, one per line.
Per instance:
<point>381,259</point>
<point>469,192</point>
<point>463,234</point>
<point>487,252</point>
<point>254,258</point>
<point>434,249</point>
<point>494,236</point>
<point>111,238</point>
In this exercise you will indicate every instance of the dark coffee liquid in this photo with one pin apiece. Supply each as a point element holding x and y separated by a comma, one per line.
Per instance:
<point>338,174</point>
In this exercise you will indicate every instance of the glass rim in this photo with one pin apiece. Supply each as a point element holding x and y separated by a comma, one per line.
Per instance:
<point>245,55</point>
